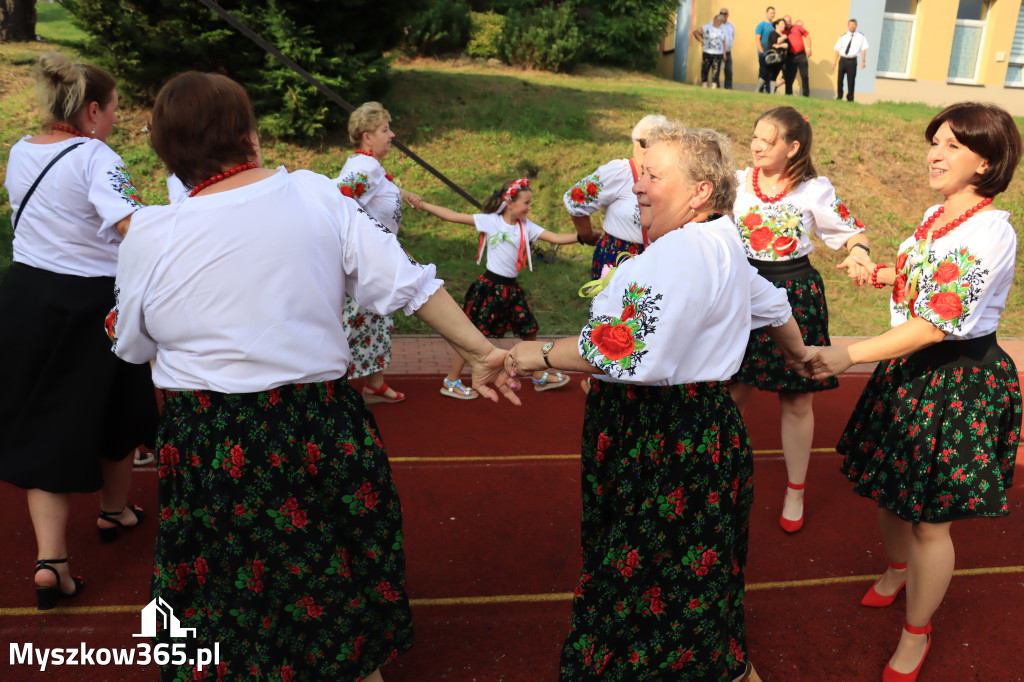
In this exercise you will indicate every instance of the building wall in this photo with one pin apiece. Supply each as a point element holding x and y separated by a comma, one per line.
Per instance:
<point>826,22</point>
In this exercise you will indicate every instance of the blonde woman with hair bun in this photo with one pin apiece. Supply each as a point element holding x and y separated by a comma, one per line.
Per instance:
<point>71,412</point>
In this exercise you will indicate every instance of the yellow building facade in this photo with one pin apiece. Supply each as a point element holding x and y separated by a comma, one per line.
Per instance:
<point>931,51</point>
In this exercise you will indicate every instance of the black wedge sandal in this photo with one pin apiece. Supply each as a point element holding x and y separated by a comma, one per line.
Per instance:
<point>46,597</point>
<point>108,535</point>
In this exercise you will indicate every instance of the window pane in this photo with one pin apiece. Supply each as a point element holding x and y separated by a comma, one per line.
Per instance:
<point>900,6</point>
<point>1015,74</point>
<point>971,9</point>
<point>964,58</point>
<point>894,46</point>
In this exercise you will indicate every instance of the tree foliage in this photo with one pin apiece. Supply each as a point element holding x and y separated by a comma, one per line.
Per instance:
<point>144,42</point>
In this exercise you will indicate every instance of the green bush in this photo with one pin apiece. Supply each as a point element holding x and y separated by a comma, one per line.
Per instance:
<point>545,38</point>
<point>442,27</point>
<point>144,42</point>
<point>485,35</point>
<point>626,32</point>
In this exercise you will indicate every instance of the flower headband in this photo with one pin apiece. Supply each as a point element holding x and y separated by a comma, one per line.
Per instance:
<point>512,191</point>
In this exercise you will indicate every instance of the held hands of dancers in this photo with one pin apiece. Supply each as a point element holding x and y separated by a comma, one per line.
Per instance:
<point>826,361</point>
<point>412,199</point>
<point>858,263</point>
<point>490,372</point>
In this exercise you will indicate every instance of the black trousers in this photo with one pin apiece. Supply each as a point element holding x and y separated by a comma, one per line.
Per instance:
<point>796,62</point>
<point>727,70</point>
<point>847,67</point>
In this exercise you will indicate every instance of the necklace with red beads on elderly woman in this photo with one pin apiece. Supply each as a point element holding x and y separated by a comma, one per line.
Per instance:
<point>221,176</point>
<point>370,154</point>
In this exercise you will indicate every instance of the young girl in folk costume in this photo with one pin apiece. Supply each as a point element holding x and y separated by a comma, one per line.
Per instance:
<point>780,203</point>
<point>364,179</point>
<point>495,302</point>
<point>934,436</point>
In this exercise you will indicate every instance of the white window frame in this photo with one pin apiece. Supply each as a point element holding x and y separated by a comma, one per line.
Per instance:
<point>983,25</point>
<point>910,50</point>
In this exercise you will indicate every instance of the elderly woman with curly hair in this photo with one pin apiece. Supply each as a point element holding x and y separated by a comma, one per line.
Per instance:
<point>667,464</point>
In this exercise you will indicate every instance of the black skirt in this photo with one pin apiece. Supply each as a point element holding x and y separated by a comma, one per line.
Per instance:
<point>497,305</point>
<point>67,400</point>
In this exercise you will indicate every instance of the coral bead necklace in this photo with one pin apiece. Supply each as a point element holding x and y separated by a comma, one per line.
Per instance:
<point>370,154</point>
<point>220,176</point>
<point>68,129</point>
<point>761,195</point>
<point>922,231</point>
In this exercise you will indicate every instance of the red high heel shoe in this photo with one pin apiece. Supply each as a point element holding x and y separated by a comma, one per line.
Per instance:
<point>890,675</point>
<point>786,524</point>
<point>874,599</point>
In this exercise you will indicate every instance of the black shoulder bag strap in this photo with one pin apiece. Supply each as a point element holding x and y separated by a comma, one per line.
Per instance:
<point>35,184</point>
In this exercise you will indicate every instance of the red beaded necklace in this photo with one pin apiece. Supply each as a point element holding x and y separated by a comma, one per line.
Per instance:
<point>761,195</point>
<point>370,154</point>
<point>68,129</point>
<point>220,176</point>
<point>922,231</point>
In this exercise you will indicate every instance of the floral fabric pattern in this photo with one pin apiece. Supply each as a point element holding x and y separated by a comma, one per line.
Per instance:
<point>667,488</point>
<point>763,364</point>
<point>353,185</point>
<point>771,231</point>
<point>369,339</point>
<point>607,251</point>
<point>943,291</point>
<point>121,182</point>
<point>280,533</point>
<point>585,193</point>
<point>496,309</point>
<point>935,444</point>
<point>616,345</point>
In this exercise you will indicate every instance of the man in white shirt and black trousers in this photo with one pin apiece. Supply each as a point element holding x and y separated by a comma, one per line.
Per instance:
<point>849,46</point>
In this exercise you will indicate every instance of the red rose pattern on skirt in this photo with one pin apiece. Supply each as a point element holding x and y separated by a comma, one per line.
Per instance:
<point>667,490</point>
<point>935,445</point>
<point>496,309</point>
<point>280,534</point>
<point>763,365</point>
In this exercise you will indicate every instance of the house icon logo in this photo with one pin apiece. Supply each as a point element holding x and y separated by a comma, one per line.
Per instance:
<point>160,612</point>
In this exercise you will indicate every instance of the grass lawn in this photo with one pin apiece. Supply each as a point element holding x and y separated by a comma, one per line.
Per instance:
<point>483,125</point>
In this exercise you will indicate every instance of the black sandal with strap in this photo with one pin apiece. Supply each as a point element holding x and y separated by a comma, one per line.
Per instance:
<point>46,597</point>
<point>108,535</point>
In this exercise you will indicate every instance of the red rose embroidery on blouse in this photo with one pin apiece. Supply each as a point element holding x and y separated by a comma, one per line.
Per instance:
<point>628,313</point>
<point>752,220</point>
<point>843,212</point>
<point>899,289</point>
<point>947,272</point>
<point>109,323</point>
<point>613,341</point>
<point>347,191</point>
<point>901,261</point>
<point>784,246</point>
<point>577,195</point>
<point>946,305</point>
<point>761,238</point>
<point>591,189</point>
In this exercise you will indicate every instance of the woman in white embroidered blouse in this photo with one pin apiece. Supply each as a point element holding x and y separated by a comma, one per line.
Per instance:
<point>364,179</point>
<point>70,412</point>
<point>667,465</point>
<point>277,504</point>
<point>610,187</point>
<point>934,436</point>
<point>780,203</point>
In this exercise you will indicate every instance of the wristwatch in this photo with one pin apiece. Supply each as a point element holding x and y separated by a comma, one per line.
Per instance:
<point>544,352</point>
<point>863,246</point>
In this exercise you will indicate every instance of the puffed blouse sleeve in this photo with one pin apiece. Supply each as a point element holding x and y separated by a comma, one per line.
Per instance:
<point>111,191</point>
<point>379,274</point>
<point>597,190</point>
<point>966,284</point>
<point>833,222</point>
<point>769,305</point>
<point>361,178</point>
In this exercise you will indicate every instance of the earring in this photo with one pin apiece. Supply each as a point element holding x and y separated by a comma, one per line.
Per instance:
<point>93,130</point>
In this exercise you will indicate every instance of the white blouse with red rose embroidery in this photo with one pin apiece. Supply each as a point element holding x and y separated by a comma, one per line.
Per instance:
<point>364,179</point>
<point>681,311</point>
<point>782,230</point>
<point>963,279</point>
<point>609,187</point>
